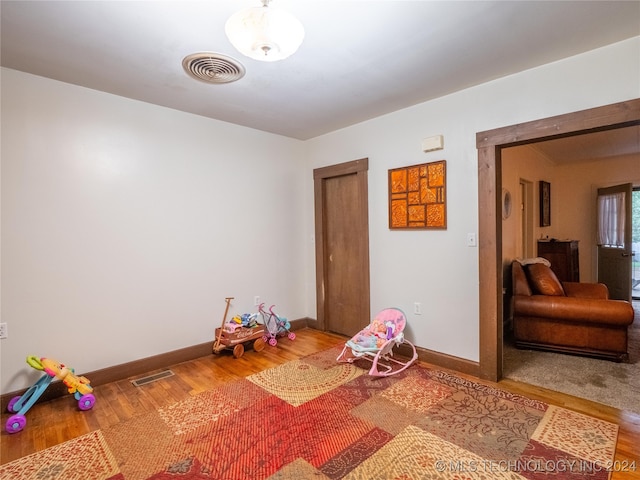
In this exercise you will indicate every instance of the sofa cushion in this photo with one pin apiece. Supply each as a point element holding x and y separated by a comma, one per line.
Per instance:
<point>544,281</point>
<point>583,311</point>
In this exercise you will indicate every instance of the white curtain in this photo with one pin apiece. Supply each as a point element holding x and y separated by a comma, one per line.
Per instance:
<point>611,215</point>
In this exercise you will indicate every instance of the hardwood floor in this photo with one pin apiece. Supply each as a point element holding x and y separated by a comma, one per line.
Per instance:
<point>56,421</point>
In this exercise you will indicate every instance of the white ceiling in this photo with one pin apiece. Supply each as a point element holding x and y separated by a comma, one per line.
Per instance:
<point>594,146</point>
<point>359,60</point>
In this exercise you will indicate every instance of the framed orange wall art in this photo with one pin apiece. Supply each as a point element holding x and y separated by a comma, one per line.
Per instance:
<point>418,196</point>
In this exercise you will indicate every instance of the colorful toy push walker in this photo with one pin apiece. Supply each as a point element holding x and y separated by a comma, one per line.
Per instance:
<point>77,386</point>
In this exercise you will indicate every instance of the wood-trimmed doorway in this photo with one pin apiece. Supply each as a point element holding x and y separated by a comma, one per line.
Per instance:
<point>342,247</point>
<point>490,144</point>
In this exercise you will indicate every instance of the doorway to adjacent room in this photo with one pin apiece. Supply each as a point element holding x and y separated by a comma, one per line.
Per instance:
<point>635,243</point>
<point>490,145</point>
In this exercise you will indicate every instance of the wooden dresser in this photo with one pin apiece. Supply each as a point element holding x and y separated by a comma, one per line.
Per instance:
<point>563,255</point>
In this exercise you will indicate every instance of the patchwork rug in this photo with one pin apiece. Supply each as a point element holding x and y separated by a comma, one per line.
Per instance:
<point>315,419</point>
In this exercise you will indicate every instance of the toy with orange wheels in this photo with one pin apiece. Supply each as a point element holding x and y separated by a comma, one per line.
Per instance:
<point>78,386</point>
<point>238,332</point>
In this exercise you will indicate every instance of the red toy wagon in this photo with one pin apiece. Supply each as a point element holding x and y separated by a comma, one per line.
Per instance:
<point>235,337</point>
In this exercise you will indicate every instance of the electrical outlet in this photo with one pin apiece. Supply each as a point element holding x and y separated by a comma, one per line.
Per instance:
<point>417,308</point>
<point>4,330</point>
<point>472,241</point>
<point>256,300</point>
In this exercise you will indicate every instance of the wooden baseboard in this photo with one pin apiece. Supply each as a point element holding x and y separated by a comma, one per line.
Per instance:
<point>165,360</point>
<point>442,360</point>
<point>132,369</point>
<point>123,371</point>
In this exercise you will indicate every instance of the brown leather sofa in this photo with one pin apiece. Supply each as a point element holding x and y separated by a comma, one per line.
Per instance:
<point>567,317</point>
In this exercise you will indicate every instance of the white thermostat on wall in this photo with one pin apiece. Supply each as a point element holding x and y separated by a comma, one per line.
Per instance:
<point>433,143</point>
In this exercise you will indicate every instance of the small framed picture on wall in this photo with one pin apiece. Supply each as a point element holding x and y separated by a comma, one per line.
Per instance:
<point>545,204</point>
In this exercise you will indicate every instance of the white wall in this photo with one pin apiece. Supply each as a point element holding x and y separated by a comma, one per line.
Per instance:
<point>125,225</point>
<point>526,163</point>
<point>436,268</point>
<point>578,190</point>
<point>573,199</point>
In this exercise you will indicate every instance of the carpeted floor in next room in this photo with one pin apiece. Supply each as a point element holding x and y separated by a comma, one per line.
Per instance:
<point>606,382</point>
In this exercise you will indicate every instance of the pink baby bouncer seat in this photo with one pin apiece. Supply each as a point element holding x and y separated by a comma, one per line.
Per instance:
<point>375,343</point>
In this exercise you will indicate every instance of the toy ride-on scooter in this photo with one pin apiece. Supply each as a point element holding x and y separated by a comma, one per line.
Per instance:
<point>77,386</point>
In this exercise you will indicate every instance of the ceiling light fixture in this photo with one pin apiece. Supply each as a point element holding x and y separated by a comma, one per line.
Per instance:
<point>264,33</point>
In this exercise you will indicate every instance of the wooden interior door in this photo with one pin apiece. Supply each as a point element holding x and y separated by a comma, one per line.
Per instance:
<point>342,247</point>
<point>614,262</point>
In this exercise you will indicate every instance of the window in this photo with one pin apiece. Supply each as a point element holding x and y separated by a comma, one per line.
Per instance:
<point>611,215</point>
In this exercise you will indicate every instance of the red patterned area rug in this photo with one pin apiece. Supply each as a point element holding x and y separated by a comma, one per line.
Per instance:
<point>315,419</point>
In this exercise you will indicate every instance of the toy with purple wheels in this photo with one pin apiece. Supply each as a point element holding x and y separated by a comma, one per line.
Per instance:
<point>79,387</point>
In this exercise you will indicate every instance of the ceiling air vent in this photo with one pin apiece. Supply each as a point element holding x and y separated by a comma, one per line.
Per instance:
<point>213,67</point>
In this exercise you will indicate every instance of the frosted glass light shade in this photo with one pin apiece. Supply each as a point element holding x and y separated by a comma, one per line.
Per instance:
<point>264,33</point>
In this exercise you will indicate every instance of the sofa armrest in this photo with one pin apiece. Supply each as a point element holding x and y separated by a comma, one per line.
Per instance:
<point>572,309</point>
<point>586,290</point>
<point>519,281</point>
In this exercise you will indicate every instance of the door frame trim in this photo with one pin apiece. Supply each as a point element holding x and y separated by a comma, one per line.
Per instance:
<point>359,168</point>
<point>489,145</point>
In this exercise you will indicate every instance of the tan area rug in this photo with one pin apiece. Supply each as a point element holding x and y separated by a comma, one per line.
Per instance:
<point>314,418</point>
<point>84,457</point>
